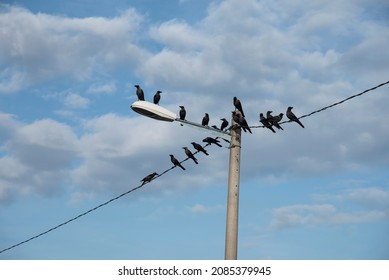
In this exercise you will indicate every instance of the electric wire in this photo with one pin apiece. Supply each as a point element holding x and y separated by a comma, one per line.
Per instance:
<point>330,106</point>
<point>171,168</point>
<point>95,208</point>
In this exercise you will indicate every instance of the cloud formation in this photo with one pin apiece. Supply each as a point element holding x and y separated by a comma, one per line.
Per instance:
<point>40,47</point>
<point>370,204</point>
<point>322,214</point>
<point>270,54</point>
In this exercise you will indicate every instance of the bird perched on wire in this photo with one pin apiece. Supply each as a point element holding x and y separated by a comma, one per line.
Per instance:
<point>199,148</point>
<point>148,178</point>
<point>190,155</point>
<point>176,162</point>
<point>238,105</point>
<point>182,113</point>
<point>292,116</point>
<point>241,121</point>
<point>211,140</point>
<point>157,97</point>
<point>205,120</point>
<point>139,93</point>
<point>224,124</point>
<point>274,120</point>
<point>265,122</point>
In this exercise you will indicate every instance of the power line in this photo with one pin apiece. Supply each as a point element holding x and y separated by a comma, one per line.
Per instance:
<point>95,208</point>
<point>344,100</point>
<point>71,220</point>
<point>330,106</point>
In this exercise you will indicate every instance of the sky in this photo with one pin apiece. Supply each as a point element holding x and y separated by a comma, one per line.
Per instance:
<point>69,140</point>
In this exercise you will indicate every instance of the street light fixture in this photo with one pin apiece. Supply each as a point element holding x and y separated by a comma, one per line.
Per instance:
<point>159,113</point>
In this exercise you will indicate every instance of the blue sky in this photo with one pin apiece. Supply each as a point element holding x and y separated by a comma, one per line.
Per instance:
<point>68,140</point>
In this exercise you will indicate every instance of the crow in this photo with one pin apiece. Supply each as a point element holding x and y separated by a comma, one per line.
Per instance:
<point>139,93</point>
<point>292,116</point>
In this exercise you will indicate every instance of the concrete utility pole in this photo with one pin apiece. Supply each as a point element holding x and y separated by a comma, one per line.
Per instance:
<point>231,245</point>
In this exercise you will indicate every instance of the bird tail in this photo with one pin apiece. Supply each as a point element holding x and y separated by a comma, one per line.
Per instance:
<point>300,123</point>
<point>278,126</point>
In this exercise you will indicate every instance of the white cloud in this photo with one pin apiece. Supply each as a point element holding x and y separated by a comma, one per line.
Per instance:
<point>8,124</point>
<point>198,209</point>
<point>371,197</point>
<point>364,204</point>
<point>12,80</point>
<point>368,197</point>
<point>320,214</point>
<point>107,88</point>
<point>76,101</point>
<point>37,157</point>
<point>41,47</point>
<point>202,209</point>
<point>179,36</point>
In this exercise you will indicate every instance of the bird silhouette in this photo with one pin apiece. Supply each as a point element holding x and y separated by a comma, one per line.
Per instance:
<point>274,120</point>
<point>149,178</point>
<point>176,162</point>
<point>265,122</point>
<point>182,113</point>
<point>292,116</point>
<point>224,124</point>
<point>205,120</point>
<point>139,93</point>
<point>241,121</point>
<point>199,148</point>
<point>190,155</point>
<point>238,105</point>
<point>157,97</point>
<point>211,140</point>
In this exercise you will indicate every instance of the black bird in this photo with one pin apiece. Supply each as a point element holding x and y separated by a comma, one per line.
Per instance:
<point>190,155</point>
<point>244,124</point>
<point>148,178</point>
<point>139,93</point>
<point>176,162</point>
<point>241,121</point>
<point>215,127</point>
<point>182,113</point>
<point>211,140</point>
<point>205,120</point>
<point>157,97</point>
<point>238,105</point>
<point>292,116</point>
<point>269,116</point>
<point>236,119</point>
<point>274,119</point>
<point>199,148</point>
<point>224,124</point>
<point>265,122</point>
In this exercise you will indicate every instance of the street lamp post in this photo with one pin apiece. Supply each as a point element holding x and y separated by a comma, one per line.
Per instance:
<point>159,113</point>
<point>231,246</point>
